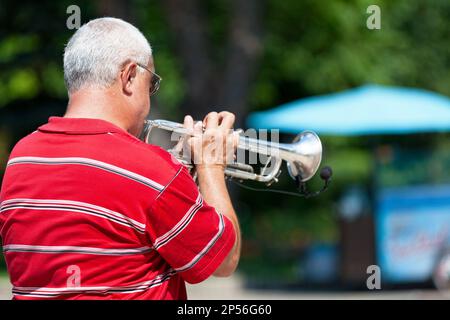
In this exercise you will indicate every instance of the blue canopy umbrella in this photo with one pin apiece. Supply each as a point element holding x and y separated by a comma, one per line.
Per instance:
<point>370,109</point>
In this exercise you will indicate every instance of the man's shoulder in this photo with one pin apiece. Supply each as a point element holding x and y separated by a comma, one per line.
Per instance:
<point>149,151</point>
<point>149,157</point>
<point>24,144</point>
<point>117,149</point>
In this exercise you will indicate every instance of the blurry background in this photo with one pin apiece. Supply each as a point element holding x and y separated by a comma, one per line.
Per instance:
<point>253,55</point>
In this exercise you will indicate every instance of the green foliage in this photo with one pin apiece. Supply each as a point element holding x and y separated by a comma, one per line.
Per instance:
<point>172,90</point>
<point>22,83</point>
<point>32,42</point>
<point>402,167</point>
<point>154,26</point>
<point>54,80</point>
<point>16,44</point>
<point>315,47</point>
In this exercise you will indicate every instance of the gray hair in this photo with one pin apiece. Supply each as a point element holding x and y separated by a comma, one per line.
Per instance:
<point>96,52</point>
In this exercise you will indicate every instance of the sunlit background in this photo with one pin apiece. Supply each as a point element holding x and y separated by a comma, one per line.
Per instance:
<point>389,201</point>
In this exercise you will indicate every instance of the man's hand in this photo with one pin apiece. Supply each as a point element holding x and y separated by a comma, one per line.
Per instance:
<point>212,149</point>
<point>216,145</point>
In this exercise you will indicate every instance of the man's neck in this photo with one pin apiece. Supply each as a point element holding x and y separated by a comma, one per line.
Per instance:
<point>96,104</point>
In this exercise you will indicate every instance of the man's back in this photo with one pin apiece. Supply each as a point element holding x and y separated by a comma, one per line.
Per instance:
<point>89,211</point>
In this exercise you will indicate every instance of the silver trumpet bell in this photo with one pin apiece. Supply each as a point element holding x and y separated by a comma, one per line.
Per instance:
<point>303,156</point>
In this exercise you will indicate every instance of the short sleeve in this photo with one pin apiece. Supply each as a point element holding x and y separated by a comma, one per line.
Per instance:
<point>189,234</point>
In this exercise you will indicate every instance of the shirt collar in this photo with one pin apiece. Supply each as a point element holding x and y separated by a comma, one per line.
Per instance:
<point>79,126</point>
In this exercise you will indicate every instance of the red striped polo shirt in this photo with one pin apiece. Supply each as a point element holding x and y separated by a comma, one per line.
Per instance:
<point>88,211</point>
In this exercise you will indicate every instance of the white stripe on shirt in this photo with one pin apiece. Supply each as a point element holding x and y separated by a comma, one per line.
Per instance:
<point>88,162</point>
<point>74,249</point>
<point>73,206</point>
<point>181,225</point>
<point>205,250</point>
<point>48,292</point>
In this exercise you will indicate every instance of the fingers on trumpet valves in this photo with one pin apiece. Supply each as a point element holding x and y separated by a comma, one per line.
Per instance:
<point>211,120</point>
<point>226,120</point>
<point>188,122</point>
<point>198,128</point>
<point>223,120</point>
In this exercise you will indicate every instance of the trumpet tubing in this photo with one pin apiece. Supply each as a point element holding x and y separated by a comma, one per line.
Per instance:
<point>303,156</point>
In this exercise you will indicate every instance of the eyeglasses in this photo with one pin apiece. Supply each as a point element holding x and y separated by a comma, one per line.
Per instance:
<point>155,82</point>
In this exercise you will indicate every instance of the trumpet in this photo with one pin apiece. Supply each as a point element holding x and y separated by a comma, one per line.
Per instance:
<point>303,156</point>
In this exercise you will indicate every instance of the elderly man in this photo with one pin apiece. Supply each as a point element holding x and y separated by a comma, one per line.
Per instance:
<point>88,211</point>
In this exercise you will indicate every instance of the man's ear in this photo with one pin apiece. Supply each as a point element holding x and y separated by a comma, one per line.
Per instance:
<point>127,77</point>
